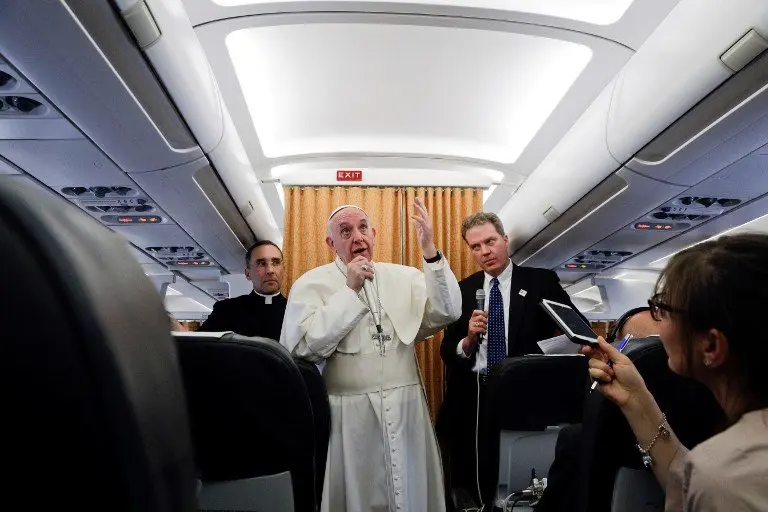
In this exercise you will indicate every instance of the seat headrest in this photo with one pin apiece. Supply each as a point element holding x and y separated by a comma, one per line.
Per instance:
<point>249,409</point>
<point>94,404</point>
<point>535,391</point>
<point>623,319</point>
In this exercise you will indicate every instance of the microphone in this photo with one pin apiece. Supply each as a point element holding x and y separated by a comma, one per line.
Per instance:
<point>370,294</point>
<point>480,298</point>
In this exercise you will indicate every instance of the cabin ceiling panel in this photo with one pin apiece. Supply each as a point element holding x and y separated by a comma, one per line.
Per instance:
<point>142,257</point>
<point>741,182</point>
<point>569,277</point>
<point>590,11</point>
<point>362,85</point>
<point>658,86</point>
<point>745,181</point>
<point>752,217</point>
<point>362,88</point>
<point>176,189</point>
<point>626,22</point>
<point>80,57</point>
<point>7,168</point>
<point>588,232</point>
<point>180,304</point>
<point>654,88</point>
<point>162,236</point>
<point>743,129</point>
<point>200,274</point>
<point>61,163</point>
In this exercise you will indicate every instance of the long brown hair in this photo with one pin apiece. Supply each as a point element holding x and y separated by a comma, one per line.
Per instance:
<point>723,284</point>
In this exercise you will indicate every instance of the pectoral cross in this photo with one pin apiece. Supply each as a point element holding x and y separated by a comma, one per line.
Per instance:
<point>380,339</point>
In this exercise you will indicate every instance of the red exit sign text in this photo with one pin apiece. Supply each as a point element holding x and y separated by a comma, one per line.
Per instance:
<point>348,175</point>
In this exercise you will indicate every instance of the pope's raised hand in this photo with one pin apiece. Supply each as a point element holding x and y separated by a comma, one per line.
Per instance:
<point>422,222</point>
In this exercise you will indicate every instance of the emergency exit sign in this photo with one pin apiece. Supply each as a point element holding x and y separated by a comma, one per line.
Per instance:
<point>349,175</point>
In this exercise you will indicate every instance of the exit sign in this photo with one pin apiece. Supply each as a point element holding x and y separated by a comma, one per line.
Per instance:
<point>349,175</point>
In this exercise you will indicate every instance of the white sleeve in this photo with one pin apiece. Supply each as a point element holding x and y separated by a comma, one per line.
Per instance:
<point>443,305</point>
<point>460,349</point>
<point>312,328</point>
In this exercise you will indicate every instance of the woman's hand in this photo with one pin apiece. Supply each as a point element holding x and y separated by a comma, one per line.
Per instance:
<point>620,382</point>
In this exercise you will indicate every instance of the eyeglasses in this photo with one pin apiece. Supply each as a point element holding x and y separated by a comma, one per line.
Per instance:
<point>657,307</point>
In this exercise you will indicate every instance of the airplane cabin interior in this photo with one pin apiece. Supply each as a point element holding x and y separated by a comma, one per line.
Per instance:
<point>607,136</point>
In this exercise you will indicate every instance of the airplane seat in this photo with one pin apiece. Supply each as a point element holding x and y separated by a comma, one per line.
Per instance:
<point>611,467</point>
<point>321,414</point>
<point>93,404</point>
<point>251,423</point>
<point>529,399</point>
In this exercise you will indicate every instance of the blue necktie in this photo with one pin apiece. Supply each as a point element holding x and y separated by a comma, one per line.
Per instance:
<point>497,347</point>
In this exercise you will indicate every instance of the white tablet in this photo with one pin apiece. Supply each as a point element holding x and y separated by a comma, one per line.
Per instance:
<point>569,321</point>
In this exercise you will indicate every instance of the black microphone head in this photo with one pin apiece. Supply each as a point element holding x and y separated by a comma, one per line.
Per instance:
<point>480,298</point>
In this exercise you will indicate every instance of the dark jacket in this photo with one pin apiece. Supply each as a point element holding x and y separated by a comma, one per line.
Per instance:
<point>248,315</point>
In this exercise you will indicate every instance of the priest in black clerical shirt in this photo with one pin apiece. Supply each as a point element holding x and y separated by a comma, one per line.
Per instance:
<point>260,313</point>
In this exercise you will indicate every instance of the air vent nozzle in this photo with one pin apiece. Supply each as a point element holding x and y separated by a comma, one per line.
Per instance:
<point>683,212</point>
<point>141,207</point>
<point>172,249</point>
<point>7,81</point>
<point>180,255</point>
<point>22,105</point>
<point>596,259</point>
<point>100,191</point>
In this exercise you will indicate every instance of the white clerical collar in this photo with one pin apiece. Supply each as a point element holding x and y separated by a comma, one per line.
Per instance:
<point>267,298</point>
<point>503,278</point>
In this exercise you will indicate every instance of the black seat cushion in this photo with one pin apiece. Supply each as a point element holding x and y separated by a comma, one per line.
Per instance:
<point>533,392</point>
<point>249,409</point>
<point>93,405</point>
<point>528,393</point>
<point>321,414</point>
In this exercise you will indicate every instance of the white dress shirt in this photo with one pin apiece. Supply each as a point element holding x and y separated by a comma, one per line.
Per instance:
<point>505,286</point>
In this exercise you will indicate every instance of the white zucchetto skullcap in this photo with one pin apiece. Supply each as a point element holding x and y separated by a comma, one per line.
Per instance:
<point>337,210</point>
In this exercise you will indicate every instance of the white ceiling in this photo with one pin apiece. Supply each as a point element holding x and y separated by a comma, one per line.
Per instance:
<point>401,89</point>
<point>600,12</point>
<point>456,83</point>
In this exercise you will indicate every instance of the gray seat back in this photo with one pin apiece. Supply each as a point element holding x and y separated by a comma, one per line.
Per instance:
<point>521,452</point>
<point>250,415</point>
<point>269,493</point>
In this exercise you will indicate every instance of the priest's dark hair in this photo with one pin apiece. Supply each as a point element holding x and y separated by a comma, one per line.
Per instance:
<point>259,244</point>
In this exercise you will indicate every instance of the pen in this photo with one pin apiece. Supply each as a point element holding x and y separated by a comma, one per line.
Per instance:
<point>622,345</point>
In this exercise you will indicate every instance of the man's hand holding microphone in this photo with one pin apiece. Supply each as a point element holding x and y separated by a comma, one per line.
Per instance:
<point>478,326</point>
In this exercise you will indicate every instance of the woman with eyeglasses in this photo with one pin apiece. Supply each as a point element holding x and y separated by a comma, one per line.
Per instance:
<point>711,303</point>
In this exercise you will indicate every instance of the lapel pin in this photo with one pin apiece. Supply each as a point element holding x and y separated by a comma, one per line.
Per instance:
<point>522,293</point>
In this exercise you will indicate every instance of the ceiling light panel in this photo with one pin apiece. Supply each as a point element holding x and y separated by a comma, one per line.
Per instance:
<point>331,88</point>
<point>598,12</point>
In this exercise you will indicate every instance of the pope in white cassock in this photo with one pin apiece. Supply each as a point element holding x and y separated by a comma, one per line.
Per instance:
<point>382,454</point>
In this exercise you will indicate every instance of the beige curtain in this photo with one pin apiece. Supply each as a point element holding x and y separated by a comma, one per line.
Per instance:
<point>306,211</point>
<point>448,207</point>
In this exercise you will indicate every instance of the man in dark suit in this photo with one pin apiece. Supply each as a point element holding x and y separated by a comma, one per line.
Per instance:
<point>511,322</point>
<point>260,313</point>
